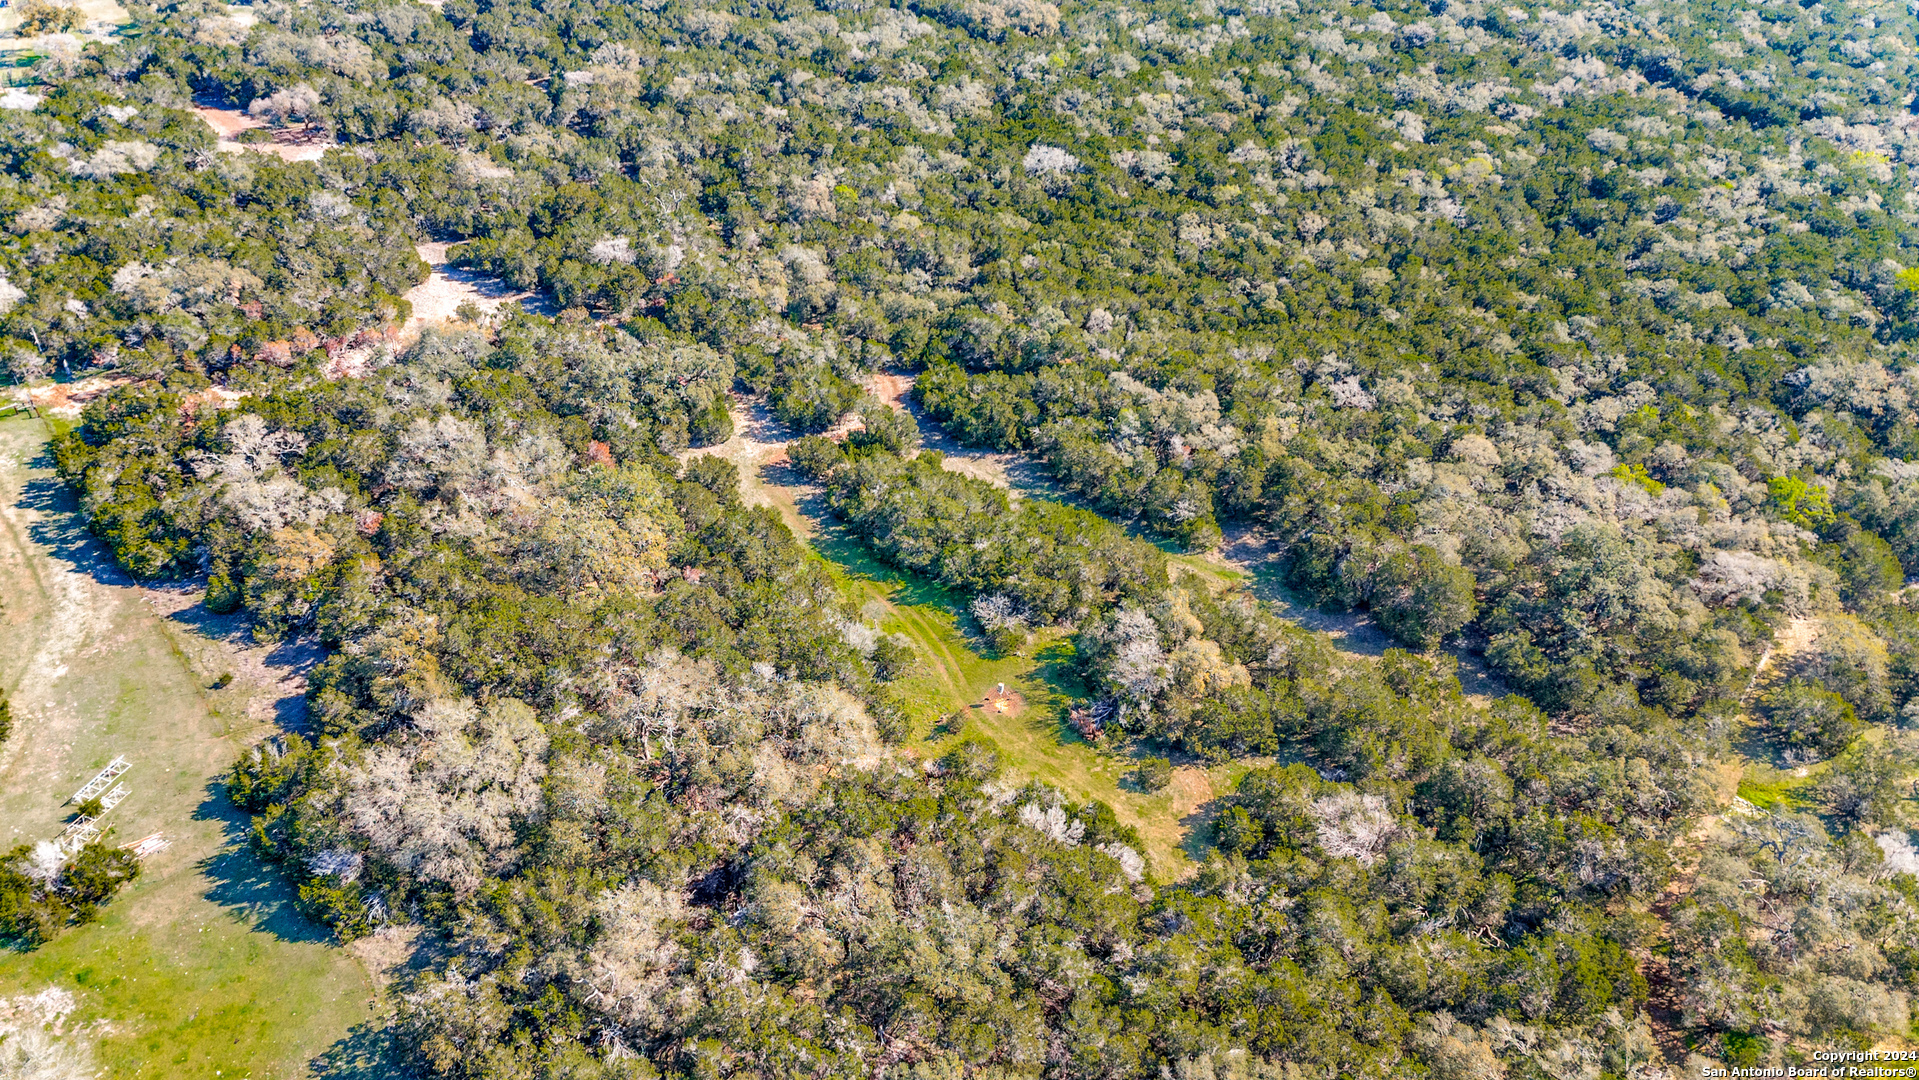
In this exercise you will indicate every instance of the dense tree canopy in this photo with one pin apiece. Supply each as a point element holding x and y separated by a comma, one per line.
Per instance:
<point>1574,339</point>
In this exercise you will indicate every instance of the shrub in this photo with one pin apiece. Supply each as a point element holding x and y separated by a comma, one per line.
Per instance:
<point>39,895</point>
<point>885,429</point>
<point>1863,788</point>
<point>974,759</point>
<point>717,475</point>
<point>892,656</point>
<point>46,17</point>
<point>1153,773</point>
<point>1008,640</point>
<point>814,456</point>
<point>339,906</point>
<point>1809,717</point>
<point>1238,831</point>
<point>712,425</point>
<point>224,593</point>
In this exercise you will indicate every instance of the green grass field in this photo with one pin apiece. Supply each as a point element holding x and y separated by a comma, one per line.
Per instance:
<point>201,968</point>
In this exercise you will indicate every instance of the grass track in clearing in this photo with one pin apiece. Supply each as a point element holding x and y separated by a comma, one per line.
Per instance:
<point>954,675</point>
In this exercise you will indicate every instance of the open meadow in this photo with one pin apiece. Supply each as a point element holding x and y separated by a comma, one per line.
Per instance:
<point>201,968</point>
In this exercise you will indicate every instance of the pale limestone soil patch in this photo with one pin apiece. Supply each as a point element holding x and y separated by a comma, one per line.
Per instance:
<point>1787,644</point>
<point>289,144</point>
<point>1019,475</point>
<point>758,450</point>
<point>64,400</point>
<point>436,301</point>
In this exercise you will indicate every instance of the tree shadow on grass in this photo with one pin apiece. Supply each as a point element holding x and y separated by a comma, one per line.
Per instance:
<point>248,889</point>
<point>1057,669</point>
<point>840,547</point>
<point>366,1053</point>
<point>1196,828</point>
<point>287,661</point>
<point>58,528</point>
<point>233,627</point>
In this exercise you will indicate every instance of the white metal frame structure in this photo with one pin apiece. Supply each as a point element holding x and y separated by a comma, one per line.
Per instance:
<point>106,776</point>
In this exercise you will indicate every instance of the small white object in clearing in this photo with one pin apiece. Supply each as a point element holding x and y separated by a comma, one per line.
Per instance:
<point>146,845</point>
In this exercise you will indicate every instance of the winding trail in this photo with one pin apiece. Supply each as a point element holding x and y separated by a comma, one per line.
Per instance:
<point>758,449</point>
<point>1664,1002</point>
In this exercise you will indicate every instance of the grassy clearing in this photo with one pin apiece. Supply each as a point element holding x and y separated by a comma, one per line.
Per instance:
<point>18,53</point>
<point>1769,789</point>
<point>1205,567</point>
<point>955,673</point>
<point>201,968</point>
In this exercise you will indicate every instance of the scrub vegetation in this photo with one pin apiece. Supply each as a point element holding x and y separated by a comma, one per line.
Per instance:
<point>1575,339</point>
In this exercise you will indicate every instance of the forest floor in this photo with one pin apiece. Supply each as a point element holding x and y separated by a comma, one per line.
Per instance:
<point>201,967</point>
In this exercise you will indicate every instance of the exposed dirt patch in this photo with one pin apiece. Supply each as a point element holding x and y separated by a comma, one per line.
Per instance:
<point>758,450</point>
<point>892,389</point>
<point>1191,789</point>
<point>208,403</point>
<point>1019,475</point>
<point>289,144</point>
<point>227,124</point>
<point>388,953</point>
<point>1008,703</point>
<point>65,400</point>
<point>437,300</point>
<point>268,681</point>
<point>1787,644</point>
